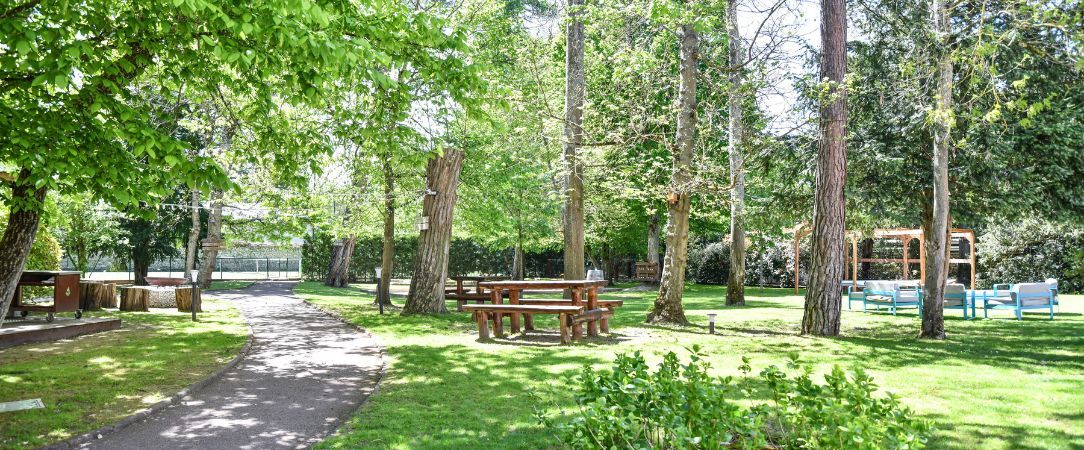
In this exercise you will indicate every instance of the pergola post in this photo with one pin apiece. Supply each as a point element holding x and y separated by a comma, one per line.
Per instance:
<point>922,256</point>
<point>971,256</point>
<point>907,257</point>
<point>854,261</point>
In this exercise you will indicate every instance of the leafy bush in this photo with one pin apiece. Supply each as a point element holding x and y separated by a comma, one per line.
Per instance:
<point>713,264</point>
<point>681,406</point>
<point>45,253</point>
<point>1032,250</point>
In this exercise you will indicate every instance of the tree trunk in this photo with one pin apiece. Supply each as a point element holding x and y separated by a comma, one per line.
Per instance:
<point>214,239</point>
<point>387,256</point>
<point>735,289</point>
<point>667,307</point>
<point>141,263</point>
<point>936,234</point>
<point>193,238</point>
<point>26,203</point>
<point>823,299</point>
<point>338,274</point>
<point>431,261</point>
<point>653,230</point>
<point>573,217</point>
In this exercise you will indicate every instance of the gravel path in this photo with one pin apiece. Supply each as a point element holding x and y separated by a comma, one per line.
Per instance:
<point>305,374</point>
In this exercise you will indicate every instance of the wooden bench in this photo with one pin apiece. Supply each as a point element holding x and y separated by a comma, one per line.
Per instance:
<point>463,299</point>
<point>603,323</point>
<point>567,317</point>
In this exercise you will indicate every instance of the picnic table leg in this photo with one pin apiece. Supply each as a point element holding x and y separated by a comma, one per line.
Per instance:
<point>513,298</point>
<point>604,324</point>
<point>528,322</point>
<point>459,286</point>
<point>577,328</point>
<point>498,324</point>
<point>483,324</point>
<point>592,304</point>
<point>562,320</point>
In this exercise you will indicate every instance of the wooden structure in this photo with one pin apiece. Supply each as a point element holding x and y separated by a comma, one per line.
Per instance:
<point>97,295</point>
<point>462,296</point>
<point>135,298</point>
<point>646,271</point>
<point>583,307</point>
<point>905,235</point>
<point>65,292</point>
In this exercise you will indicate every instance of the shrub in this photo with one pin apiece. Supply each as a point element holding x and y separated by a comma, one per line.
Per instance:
<point>713,264</point>
<point>1032,250</point>
<point>681,406</point>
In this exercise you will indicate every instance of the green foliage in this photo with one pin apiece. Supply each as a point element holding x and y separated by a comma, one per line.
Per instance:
<point>45,254</point>
<point>1030,251</point>
<point>681,406</point>
<point>86,231</point>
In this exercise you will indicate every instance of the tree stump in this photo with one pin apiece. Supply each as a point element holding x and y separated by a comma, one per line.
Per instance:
<point>105,294</point>
<point>135,298</point>
<point>184,299</point>
<point>96,295</point>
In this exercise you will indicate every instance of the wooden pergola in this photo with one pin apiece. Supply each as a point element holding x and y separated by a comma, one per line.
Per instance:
<point>905,235</point>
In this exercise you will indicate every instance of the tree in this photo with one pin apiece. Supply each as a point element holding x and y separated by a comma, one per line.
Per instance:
<point>150,234</point>
<point>426,293</point>
<point>822,299</point>
<point>86,231</point>
<point>573,217</point>
<point>667,307</point>
<point>937,226</point>
<point>104,142</point>
<point>735,288</point>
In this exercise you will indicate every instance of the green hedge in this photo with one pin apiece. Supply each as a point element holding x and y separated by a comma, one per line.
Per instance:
<point>465,257</point>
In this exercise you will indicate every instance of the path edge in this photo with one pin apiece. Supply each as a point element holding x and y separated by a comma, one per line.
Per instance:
<point>383,362</point>
<point>143,414</point>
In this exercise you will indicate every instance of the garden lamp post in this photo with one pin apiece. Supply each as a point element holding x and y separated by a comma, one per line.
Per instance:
<point>379,285</point>
<point>711,323</point>
<point>195,290</point>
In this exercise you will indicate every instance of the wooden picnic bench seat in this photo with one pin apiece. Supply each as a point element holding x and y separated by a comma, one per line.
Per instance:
<point>604,323</point>
<point>568,317</point>
<point>464,298</point>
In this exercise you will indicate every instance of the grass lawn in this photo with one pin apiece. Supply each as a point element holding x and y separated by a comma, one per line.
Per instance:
<point>217,285</point>
<point>994,384</point>
<point>94,380</point>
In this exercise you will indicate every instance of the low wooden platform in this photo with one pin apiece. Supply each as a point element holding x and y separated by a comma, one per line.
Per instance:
<point>18,332</point>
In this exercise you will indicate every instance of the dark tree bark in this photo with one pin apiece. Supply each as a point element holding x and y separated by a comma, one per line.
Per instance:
<point>936,234</point>
<point>26,203</point>
<point>517,263</point>
<point>141,264</point>
<point>213,240</point>
<point>667,307</point>
<point>431,262</point>
<point>573,216</point>
<point>338,274</point>
<point>867,252</point>
<point>823,299</point>
<point>735,288</point>
<point>387,256</point>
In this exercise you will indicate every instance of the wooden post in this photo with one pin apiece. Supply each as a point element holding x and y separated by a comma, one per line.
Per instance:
<point>562,320</point>
<point>513,298</point>
<point>906,257</point>
<point>922,256</point>
<point>971,256</point>
<point>483,324</point>
<point>577,328</point>
<point>592,304</point>
<point>854,270</point>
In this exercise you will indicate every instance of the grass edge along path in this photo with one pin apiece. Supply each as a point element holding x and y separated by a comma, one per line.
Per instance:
<point>95,380</point>
<point>993,384</point>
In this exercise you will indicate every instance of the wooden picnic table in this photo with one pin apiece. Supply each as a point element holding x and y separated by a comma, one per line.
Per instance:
<point>583,293</point>
<point>460,279</point>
